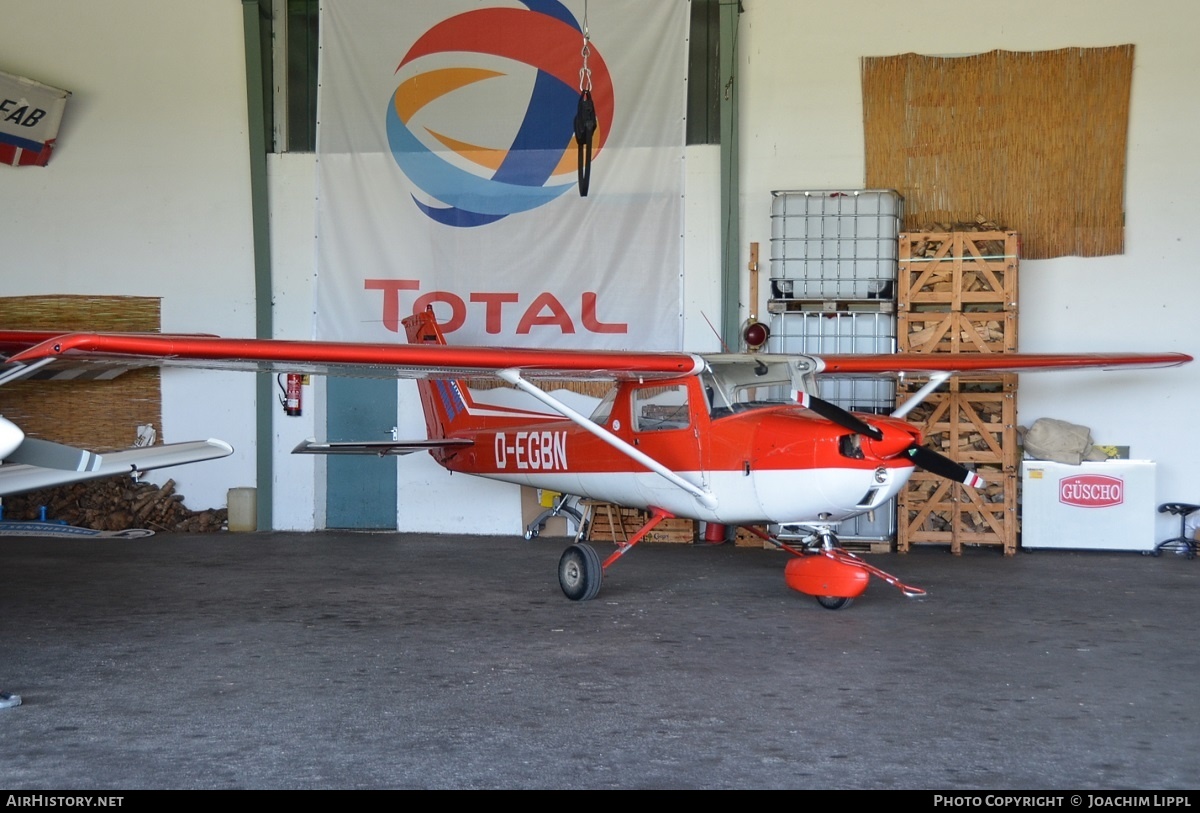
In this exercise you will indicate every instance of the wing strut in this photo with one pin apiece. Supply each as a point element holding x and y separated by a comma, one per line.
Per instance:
<point>704,497</point>
<point>935,381</point>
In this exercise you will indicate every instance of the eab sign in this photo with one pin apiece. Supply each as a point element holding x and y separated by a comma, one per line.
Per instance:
<point>30,113</point>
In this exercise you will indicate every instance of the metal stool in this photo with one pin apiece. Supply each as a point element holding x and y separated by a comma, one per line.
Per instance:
<point>1187,545</point>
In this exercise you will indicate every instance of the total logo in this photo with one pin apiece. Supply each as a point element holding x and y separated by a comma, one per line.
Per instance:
<point>482,120</point>
<point>1091,491</point>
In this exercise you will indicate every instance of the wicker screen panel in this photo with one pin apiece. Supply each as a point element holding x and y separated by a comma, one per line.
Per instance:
<point>97,415</point>
<point>595,389</point>
<point>1035,141</point>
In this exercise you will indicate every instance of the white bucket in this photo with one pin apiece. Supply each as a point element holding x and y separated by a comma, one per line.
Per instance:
<point>243,509</point>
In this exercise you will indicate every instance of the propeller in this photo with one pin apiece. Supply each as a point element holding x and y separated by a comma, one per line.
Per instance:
<point>921,456</point>
<point>832,412</point>
<point>937,463</point>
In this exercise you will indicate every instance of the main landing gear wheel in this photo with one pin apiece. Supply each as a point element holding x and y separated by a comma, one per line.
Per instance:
<point>834,602</point>
<point>580,572</point>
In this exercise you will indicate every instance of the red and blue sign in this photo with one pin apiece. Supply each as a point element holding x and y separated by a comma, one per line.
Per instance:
<point>528,154</point>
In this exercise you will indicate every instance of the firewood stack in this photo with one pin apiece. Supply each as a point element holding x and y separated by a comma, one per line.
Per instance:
<point>925,241</point>
<point>957,293</point>
<point>117,503</point>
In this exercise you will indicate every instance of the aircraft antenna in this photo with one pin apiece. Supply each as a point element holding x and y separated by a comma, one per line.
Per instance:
<point>715,333</point>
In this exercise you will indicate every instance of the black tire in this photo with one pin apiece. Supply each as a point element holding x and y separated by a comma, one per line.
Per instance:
<point>580,572</point>
<point>834,602</point>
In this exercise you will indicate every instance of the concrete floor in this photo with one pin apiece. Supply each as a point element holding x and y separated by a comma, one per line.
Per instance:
<point>343,660</point>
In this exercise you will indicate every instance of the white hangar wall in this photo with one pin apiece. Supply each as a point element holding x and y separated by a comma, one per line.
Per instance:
<point>149,194</point>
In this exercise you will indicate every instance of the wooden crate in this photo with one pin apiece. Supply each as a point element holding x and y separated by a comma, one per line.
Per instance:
<point>940,331</point>
<point>607,522</point>
<point>957,292</point>
<point>745,539</point>
<point>958,270</point>
<point>974,423</point>
<point>676,530</point>
<point>613,523</point>
<point>935,511</point>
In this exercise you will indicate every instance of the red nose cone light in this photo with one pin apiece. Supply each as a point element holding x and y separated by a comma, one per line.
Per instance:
<point>755,335</point>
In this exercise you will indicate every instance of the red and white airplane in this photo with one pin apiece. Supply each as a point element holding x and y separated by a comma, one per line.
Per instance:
<point>730,439</point>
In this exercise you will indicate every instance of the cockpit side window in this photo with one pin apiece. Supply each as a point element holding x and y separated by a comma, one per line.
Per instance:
<point>603,410</point>
<point>656,408</point>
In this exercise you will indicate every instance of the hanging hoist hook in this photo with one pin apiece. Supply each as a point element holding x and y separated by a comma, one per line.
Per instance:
<point>585,114</point>
<point>585,73</point>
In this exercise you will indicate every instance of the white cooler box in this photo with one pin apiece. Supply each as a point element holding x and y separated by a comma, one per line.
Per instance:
<point>1107,505</point>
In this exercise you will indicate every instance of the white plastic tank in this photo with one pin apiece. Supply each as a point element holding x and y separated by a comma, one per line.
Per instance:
<point>243,509</point>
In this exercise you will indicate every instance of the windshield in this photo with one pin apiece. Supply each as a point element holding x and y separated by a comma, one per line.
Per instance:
<point>737,388</point>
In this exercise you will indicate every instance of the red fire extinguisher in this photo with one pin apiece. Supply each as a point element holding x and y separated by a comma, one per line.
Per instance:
<point>291,400</point>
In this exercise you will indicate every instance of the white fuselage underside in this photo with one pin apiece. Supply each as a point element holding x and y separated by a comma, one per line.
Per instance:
<point>771,496</point>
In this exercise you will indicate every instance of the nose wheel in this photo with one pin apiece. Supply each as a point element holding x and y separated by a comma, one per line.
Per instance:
<point>834,602</point>
<point>829,573</point>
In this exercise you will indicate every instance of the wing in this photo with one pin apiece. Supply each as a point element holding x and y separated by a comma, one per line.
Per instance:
<point>71,355</point>
<point>36,464</point>
<point>982,364</point>
<point>107,354</point>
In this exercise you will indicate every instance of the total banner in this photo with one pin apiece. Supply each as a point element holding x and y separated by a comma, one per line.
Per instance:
<point>517,166</point>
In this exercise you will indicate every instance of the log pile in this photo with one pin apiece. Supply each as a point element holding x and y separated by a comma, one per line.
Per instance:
<point>973,516</point>
<point>957,293</point>
<point>927,331</point>
<point>927,240</point>
<point>117,503</point>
